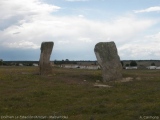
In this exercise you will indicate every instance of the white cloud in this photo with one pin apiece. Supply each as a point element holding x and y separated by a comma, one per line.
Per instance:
<point>81,16</point>
<point>155,37</point>
<point>21,44</point>
<point>150,9</point>
<point>24,8</point>
<point>35,24</point>
<point>76,0</point>
<point>73,33</point>
<point>87,40</point>
<point>142,48</point>
<point>21,33</point>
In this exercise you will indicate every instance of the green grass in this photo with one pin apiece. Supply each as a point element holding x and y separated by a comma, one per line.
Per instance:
<point>65,93</point>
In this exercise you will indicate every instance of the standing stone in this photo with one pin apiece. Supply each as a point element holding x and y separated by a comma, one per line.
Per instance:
<point>109,61</point>
<point>44,62</point>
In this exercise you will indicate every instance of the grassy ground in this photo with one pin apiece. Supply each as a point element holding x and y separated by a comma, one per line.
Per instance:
<point>69,93</point>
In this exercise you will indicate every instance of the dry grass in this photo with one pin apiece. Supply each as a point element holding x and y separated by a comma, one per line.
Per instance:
<point>70,92</point>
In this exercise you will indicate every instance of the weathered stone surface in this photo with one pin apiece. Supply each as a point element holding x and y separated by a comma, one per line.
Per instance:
<point>44,62</point>
<point>109,61</point>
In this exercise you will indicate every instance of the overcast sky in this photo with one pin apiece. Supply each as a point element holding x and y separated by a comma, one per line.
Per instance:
<point>75,26</point>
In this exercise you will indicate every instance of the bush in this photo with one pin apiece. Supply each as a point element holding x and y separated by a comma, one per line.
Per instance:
<point>133,63</point>
<point>153,64</point>
<point>1,63</point>
<point>127,65</point>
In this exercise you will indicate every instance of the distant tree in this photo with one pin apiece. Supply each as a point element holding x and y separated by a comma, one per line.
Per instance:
<point>133,63</point>
<point>127,65</point>
<point>5,64</point>
<point>62,62</point>
<point>67,59</point>
<point>30,64</point>
<point>153,64</point>
<point>122,63</point>
<point>55,61</point>
<point>1,62</point>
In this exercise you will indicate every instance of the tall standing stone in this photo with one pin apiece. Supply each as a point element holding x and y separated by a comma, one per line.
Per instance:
<point>109,61</point>
<point>44,62</point>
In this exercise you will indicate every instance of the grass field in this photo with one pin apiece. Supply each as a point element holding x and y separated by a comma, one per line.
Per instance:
<point>70,94</point>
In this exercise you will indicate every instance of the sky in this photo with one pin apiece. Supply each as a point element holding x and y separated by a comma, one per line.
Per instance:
<point>76,26</point>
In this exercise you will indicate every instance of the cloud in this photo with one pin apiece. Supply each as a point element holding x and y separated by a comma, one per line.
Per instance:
<point>24,8</point>
<point>81,16</point>
<point>20,11</point>
<point>155,37</point>
<point>20,20</point>
<point>76,0</point>
<point>150,9</point>
<point>32,22</point>
<point>147,47</point>
<point>21,44</point>
<point>87,40</point>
